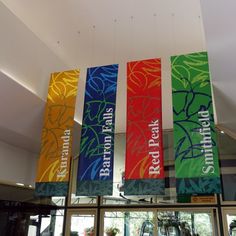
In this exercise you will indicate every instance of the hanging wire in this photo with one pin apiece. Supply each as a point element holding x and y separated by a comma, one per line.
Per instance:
<point>91,60</point>
<point>202,33</point>
<point>156,34</point>
<point>114,40</point>
<point>132,37</point>
<point>132,30</point>
<point>173,34</point>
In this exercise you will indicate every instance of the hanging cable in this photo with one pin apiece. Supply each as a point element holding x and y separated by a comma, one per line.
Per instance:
<point>114,40</point>
<point>202,33</point>
<point>174,52</point>
<point>91,60</point>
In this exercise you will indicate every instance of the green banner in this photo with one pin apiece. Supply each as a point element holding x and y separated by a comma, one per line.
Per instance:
<point>195,147</point>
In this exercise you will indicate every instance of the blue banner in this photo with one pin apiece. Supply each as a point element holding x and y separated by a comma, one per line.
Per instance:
<point>95,170</point>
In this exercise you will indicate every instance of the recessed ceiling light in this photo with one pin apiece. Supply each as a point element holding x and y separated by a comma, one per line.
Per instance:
<point>222,132</point>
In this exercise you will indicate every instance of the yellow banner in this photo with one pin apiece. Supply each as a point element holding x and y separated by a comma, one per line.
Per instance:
<point>55,155</point>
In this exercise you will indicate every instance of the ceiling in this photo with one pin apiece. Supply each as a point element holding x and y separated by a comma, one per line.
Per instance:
<point>85,33</point>
<point>40,37</point>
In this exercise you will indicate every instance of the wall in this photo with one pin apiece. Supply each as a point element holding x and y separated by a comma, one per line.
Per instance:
<point>24,55</point>
<point>219,23</point>
<point>25,67</point>
<point>17,165</point>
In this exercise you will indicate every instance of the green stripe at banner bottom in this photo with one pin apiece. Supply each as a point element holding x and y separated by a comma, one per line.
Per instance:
<point>49,189</point>
<point>94,188</point>
<point>144,187</point>
<point>204,185</point>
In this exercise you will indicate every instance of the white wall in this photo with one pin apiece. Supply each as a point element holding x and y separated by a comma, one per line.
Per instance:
<point>25,67</point>
<point>17,165</point>
<point>24,56</point>
<point>219,23</point>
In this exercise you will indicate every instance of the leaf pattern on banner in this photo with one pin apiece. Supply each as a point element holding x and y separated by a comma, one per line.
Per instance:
<point>50,172</point>
<point>100,95</point>
<point>144,187</point>
<point>141,166</point>
<point>51,189</point>
<point>144,74</point>
<point>198,185</point>
<point>147,107</point>
<point>191,92</point>
<point>94,188</point>
<point>63,85</point>
<point>59,116</point>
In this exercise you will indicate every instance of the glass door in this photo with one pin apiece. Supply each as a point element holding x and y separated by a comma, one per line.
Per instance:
<point>128,223</point>
<point>81,223</point>
<point>159,222</point>
<point>229,220</point>
<point>185,222</point>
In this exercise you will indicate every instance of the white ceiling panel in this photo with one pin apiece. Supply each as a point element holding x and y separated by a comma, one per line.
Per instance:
<point>85,33</point>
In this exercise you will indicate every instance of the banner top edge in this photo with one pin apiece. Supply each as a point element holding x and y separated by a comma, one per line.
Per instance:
<point>66,71</point>
<point>150,59</point>
<point>93,67</point>
<point>188,54</point>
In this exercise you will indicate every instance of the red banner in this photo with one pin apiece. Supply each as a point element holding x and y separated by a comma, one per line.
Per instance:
<point>144,152</point>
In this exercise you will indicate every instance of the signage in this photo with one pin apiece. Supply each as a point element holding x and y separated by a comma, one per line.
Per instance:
<point>95,170</point>
<point>144,171</point>
<point>195,146</point>
<point>54,163</point>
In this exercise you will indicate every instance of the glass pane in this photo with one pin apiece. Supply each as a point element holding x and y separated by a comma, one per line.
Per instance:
<point>33,225</point>
<point>45,224</point>
<point>32,231</point>
<point>203,224</point>
<point>59,201</point>
<point>82,225</point>
<point>58,225</point>
<point>128,223</point>
<point>227,151</point>
<point>178,223</point>
<point>79,200</point>
<point>231,223</point>
<point>52,224</point>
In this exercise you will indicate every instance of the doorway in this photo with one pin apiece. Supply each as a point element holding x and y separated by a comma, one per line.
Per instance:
<point>158,222</point>
<point>81,222</point>
<point>229,221</point>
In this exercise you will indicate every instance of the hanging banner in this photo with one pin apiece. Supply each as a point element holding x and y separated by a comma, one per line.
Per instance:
<point>195,148</point>
<point>95,170</point>
<point>54,162</point>
<point>144,171</point>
